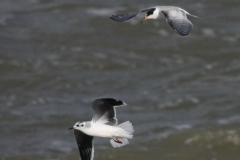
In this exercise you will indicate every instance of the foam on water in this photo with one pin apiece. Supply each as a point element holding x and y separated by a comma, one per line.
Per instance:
<point>208,32</point>
<point>229,120</point>
<point>179,103</point>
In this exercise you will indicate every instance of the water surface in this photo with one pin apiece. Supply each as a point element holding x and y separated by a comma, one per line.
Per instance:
<point>57,56</point>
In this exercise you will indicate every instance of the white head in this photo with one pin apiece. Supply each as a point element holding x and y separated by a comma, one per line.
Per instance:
<point>152,13</point>
<point>79,126</point>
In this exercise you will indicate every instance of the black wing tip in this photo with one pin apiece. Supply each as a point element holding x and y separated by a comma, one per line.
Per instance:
<point>116,18</point>
<point>85,145</point>
<point>185,31</point>
<point>110,101</point>
<point>182,33</point>
<point>86,154</point>
<point>123,17</point>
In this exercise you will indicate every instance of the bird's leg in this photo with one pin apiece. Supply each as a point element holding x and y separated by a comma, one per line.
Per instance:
<point>116,140</point>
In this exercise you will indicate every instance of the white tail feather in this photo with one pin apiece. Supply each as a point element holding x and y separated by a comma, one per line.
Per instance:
<point>190,14</point>
<point>127,126</point>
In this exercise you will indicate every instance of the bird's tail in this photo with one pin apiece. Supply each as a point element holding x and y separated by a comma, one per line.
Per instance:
<point>128,128</point>
<point>126,133</point>
<point>190,14</point>
<point>194,16</point>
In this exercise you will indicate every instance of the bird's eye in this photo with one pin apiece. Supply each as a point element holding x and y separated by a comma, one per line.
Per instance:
<point>77,125</point>
<point>82,125</point>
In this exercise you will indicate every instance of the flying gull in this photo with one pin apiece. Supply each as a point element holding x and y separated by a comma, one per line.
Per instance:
<point>175,17</point>
<point>103,124</point>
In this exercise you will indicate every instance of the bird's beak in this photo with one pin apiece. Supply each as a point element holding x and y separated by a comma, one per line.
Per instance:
<point>70,128</point>
<point>145,18</point>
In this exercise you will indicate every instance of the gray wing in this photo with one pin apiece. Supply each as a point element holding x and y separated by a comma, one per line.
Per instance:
<point>85,145</point>
<point>125,17</point>
<point>104,110</point>
<point>177,19</point>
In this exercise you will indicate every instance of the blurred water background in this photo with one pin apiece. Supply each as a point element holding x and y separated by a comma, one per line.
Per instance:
<point>183,93</point>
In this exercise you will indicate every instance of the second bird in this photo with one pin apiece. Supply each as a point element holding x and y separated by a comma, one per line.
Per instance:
<point>176,17</point>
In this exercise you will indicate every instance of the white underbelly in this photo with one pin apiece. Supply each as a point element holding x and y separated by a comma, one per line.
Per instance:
<point>102,130</point>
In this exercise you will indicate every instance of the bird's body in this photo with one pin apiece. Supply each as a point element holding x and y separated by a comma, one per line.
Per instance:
<point>103,124</point>
<point>106,131</point>
<point>176,17</point>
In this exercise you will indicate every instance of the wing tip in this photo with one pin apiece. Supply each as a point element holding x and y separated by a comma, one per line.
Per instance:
<point>110,101</point>
<point>115,18</point>
<point>182,33</point>
<point>181,26</point>
<point>124,104</point>
<point>123,17</point>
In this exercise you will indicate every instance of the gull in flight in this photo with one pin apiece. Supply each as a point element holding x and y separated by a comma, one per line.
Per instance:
<point>103,124</point>
<point>176,17</point>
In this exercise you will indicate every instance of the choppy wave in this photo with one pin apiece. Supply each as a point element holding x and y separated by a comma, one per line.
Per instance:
<point>56,57</point>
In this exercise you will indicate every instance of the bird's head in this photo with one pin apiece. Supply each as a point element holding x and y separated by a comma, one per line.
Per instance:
<point>152,13</point>
<point>78,126</point>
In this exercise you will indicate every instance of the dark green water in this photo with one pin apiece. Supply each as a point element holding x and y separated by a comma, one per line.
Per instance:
<point>57,56</point>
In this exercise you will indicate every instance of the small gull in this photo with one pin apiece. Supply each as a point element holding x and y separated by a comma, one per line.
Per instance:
<point>103,124</point>
<point>175,17</point>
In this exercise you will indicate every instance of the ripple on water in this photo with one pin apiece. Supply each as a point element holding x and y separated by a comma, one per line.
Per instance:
<point>103,12</point>
<point>180,103</point>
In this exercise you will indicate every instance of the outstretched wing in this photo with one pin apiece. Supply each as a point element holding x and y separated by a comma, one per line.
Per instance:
<point>104,110</point>
<point>125,17</point>
<point>85,145</point>
<point>177,19</point>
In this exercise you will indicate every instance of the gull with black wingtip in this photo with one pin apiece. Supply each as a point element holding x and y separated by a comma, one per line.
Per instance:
<point>103,124</point>
<point>176,17</point>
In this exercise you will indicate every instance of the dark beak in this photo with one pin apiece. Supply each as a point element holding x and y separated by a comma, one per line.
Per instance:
<point>70,128</point>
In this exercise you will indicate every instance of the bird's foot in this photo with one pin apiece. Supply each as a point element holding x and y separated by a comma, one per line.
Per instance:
<point>117,140</point>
